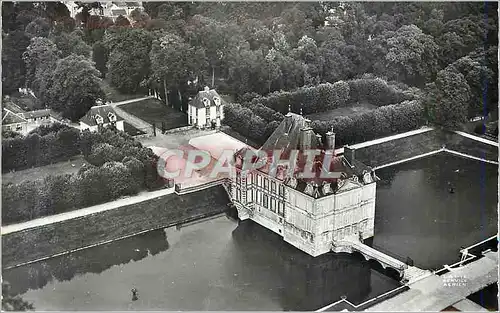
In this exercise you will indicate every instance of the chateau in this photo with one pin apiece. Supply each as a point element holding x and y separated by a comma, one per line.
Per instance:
<point>311,214</point>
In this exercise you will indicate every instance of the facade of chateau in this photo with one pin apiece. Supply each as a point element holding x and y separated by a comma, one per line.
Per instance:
<point>309,213</point>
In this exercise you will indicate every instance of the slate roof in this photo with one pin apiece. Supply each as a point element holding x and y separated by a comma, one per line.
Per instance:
<point>207,93</point>
<point>40,113</point>
<point>9,117</point>
<point>102,110</point>
<point>286,138</point>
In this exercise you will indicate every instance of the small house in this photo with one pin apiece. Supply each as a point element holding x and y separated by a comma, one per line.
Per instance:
<point>206,110</point>
<point>101,116</point>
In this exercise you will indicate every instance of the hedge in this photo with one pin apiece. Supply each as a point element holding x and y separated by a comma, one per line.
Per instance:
<point>119,166</point>
<point>383,121</point>
<point>327,96</point>
<point>38,150</point>
<point>61,193</point>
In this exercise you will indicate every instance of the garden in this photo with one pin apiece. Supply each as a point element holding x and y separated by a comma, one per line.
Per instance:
<point>116,166</point>
<point>155,112</point>
<point>383,109</point>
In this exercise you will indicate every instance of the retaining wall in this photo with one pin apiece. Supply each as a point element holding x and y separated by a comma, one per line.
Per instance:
<point>97,228</point>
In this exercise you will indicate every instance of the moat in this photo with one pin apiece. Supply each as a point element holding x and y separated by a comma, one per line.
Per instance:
<point>220,265</point>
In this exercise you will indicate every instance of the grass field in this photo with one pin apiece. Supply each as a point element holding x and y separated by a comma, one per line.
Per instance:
<point>131,130</point>
<point>114,95</point>
<point>67,167</point>
<point>153,111</point>
<point>353,109</point>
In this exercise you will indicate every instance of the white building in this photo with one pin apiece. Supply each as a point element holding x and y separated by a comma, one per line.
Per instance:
<point>101,116</point>
<point>14,122</point>
<point>311,214</point>
<point>206,110</point>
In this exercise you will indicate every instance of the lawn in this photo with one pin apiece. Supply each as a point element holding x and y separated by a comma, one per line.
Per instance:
<point>114,95</point>
<point>24,102</point>
<point>154,111</point>
<point>131,130</point>
<point>67,167</point>
<point>354,108</point>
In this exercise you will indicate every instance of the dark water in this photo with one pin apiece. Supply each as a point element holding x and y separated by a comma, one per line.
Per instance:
<point>214,265</point>
<point>219,265</point>
<point>416,216</point>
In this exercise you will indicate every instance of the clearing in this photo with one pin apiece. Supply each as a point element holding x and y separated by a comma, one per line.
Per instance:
<point>154,111</point>
<point>352,109</point>
<point>67,167</point>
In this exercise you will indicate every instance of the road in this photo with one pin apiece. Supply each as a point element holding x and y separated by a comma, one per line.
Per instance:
<point>143,196</point>
<point>435,293</point>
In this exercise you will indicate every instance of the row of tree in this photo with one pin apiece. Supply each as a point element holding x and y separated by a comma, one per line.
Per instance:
<point>41,147</point>
<point>327,96</point>
<point>119,166</point>
<point>240,47</point>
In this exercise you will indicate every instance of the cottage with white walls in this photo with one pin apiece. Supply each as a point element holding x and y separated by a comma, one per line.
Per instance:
<point>206,110</point>
<point>101,116</point>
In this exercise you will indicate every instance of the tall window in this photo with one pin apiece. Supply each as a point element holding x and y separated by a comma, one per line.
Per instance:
<point>281,208</point>
<point>273,187</point>
<point>281,190</point>
<point>266,184</point>
<point>265,202</point>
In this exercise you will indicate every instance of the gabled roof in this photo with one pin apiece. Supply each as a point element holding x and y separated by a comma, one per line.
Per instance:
<point>287,138</point>
<point>9,117</point>
<point>40,113</point>
<point>207,93</point>
<point>102,111</point>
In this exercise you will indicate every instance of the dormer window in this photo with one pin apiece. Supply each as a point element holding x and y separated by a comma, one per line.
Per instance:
<point>111,117</point>
<point>206,102</point>
<point>217,101</point>
<point>98,119</point>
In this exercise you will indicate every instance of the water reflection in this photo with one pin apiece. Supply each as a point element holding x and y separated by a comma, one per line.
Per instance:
<point>416,216</point>
<point>213,265</point>
<point>95,260</point>
<point>304,283</point>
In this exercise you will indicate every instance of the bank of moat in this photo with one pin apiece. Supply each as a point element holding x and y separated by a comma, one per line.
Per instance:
<point>314,213</point>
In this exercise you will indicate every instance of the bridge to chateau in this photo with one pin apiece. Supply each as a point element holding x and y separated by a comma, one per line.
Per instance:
<point>352,244</point>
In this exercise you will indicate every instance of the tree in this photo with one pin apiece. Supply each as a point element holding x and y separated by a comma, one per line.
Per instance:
<point>75,87</point>
<point>13,68</point>
<point>128,63</point>
<point>139,18</point>
<point>40,27</point>
<point>40,59</point>
<point>122,21</point>
<point>479,78</point>
<point>13,303</point>
<point>447,99</point>
<point>71,43</point>
<point>100,57</point>
<point>174,62</point>
<point>411,55</point>
<point>219,41</point>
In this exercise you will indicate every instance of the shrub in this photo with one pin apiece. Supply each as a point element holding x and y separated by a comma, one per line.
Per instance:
<point>42,146</point>
<point>381,122</point>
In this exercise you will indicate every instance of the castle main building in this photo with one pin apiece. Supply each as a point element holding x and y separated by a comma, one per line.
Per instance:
<point>309,213</point>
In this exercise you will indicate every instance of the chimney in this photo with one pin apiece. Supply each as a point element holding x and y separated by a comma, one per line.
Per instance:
<point>349,154</point>
<point>319,140</point>
<point>330,140</point>
<point>306,134</point>
<point>207,88</point>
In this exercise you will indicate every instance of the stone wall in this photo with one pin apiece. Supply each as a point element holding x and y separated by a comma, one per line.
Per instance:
<point>400,149</point>
<point>72,234</point>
